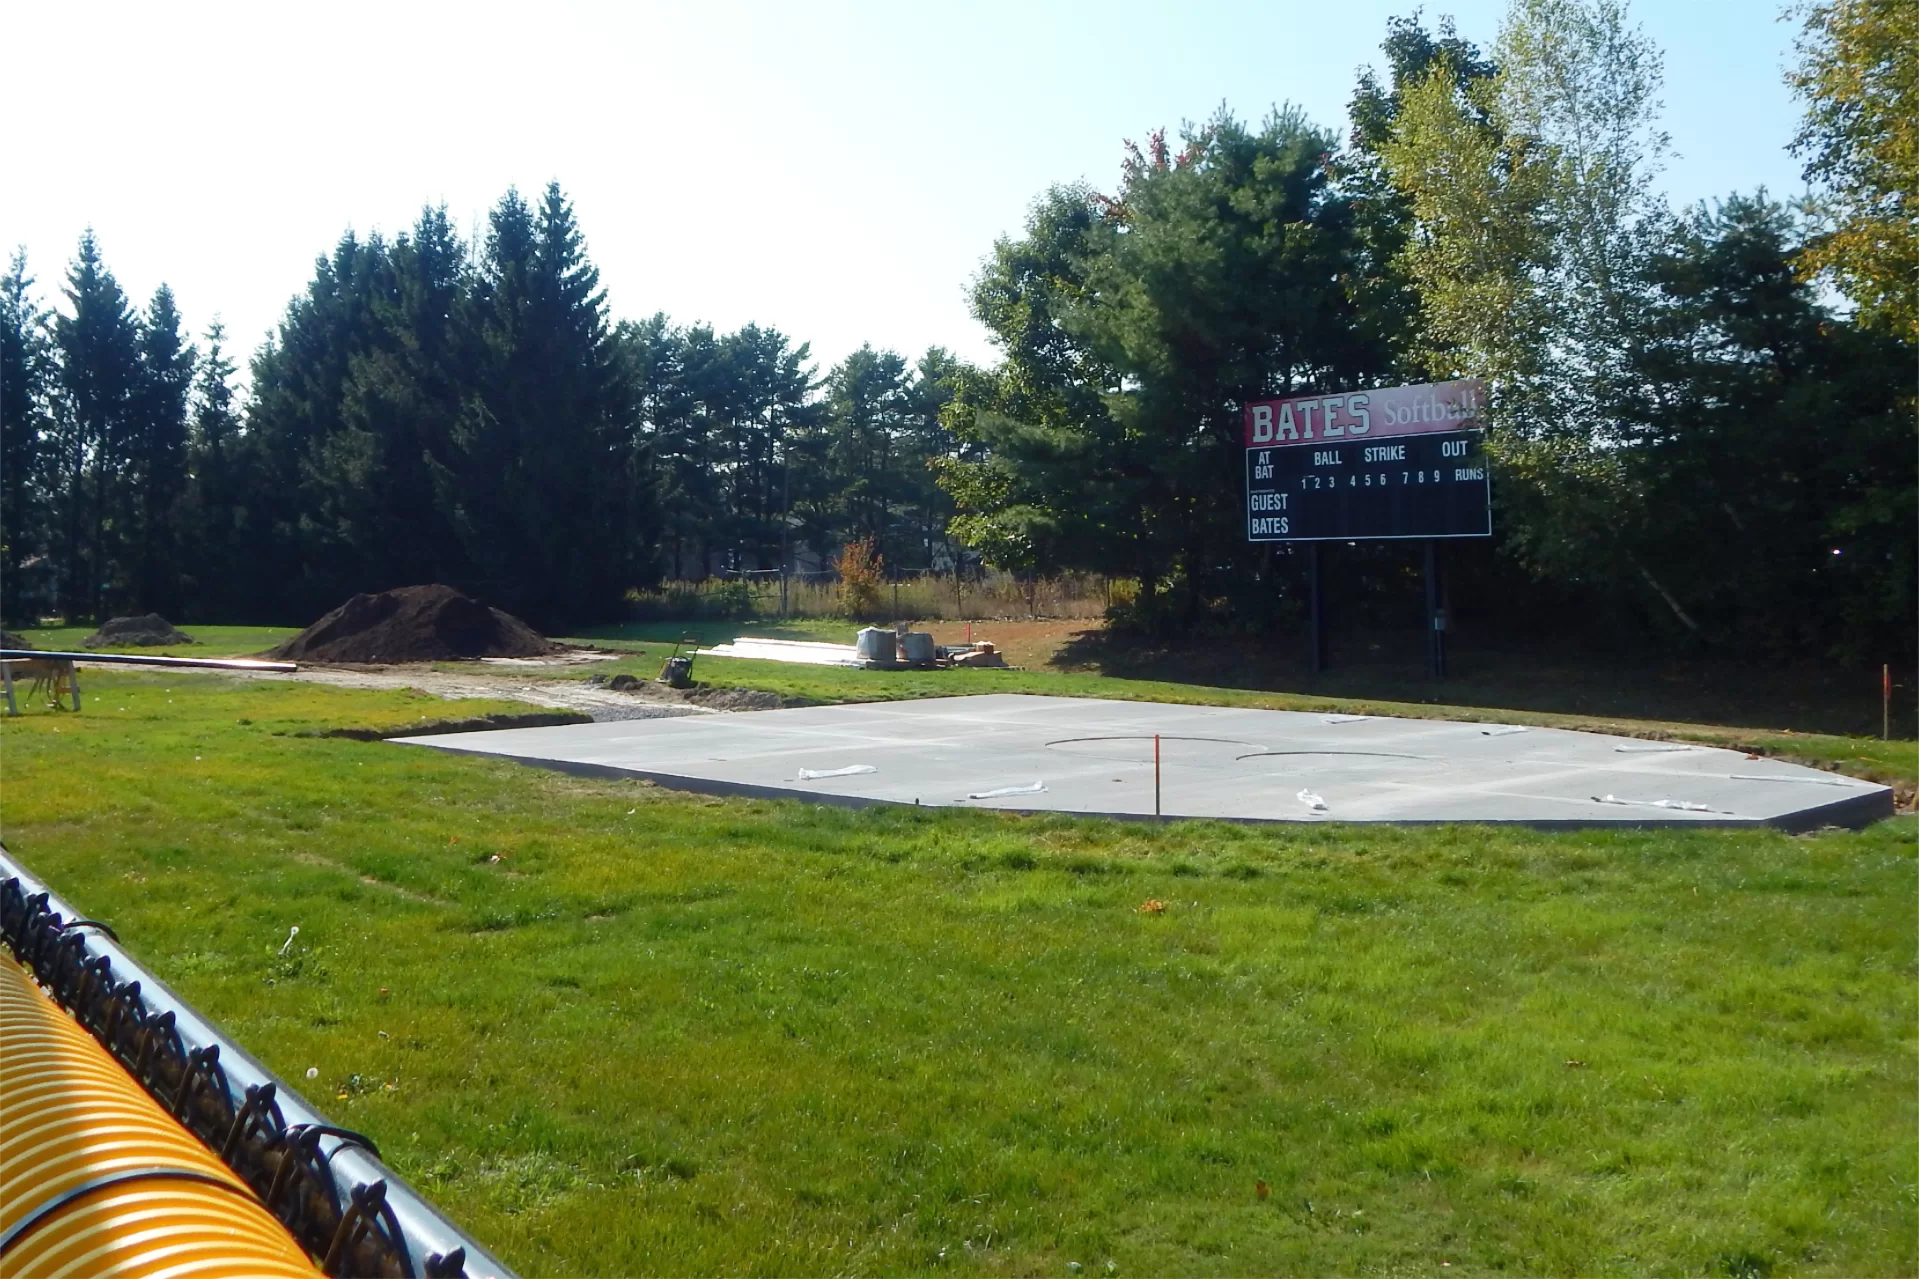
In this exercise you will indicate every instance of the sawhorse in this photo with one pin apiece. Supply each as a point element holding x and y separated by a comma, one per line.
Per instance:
<point>55,674</point>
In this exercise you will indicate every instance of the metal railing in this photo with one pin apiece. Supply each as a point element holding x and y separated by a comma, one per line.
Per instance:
<point>324,1183</point>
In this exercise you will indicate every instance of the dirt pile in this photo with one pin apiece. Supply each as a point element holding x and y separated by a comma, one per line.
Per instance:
<point>413,624</point>
<point>149,631</point>
<point>9,640</point>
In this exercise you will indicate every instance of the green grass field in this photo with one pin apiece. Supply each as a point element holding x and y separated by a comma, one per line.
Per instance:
<point>613,1029</point>
<point>209,641</point>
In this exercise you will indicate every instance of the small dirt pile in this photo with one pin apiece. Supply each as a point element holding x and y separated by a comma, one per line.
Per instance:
<point>150,631</point>
<point>9,640</point>
<point>413,624</point>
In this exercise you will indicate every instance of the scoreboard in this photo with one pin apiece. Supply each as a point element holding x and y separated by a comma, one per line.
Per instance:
<point>1354,490</point>
<point>1373,469</point>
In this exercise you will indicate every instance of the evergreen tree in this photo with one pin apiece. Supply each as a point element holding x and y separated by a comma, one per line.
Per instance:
<point>866,410</point>
<point>1135,327</point>
<point>301,507</point>
<point>1771,449</point>
<point>404,391</point>
<point>541,482</point>
<point>155,476</point>
<point>215,512</point>
<point>28,375</point>
<point>100,374</point>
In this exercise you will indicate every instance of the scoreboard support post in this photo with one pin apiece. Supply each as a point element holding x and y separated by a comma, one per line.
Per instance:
<point>1435,612</point>
<point>1316,591</point>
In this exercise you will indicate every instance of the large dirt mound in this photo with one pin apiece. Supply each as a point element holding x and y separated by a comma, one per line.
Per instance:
<point>9,640</point>
<point>150,631</point>
<point>413,624</point>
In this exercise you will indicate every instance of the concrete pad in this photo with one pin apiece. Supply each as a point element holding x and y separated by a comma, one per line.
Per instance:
<point>1095,758</point>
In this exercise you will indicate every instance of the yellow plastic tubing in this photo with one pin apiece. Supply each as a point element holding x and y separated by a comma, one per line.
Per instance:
<point>97,1179</point>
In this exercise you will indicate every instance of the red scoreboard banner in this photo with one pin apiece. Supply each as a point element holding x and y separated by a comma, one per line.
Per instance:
<point>1392,410</point>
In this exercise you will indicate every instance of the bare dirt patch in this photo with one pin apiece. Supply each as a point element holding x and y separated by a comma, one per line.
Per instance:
<point>647,702</point>
<point>1030,643</point>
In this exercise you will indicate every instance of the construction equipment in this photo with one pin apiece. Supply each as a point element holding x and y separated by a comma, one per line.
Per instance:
<point>677,670</point>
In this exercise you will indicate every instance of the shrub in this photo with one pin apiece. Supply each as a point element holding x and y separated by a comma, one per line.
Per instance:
<point>862,573</point>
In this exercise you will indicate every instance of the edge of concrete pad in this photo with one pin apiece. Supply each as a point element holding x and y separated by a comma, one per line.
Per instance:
<point>1856,812</point>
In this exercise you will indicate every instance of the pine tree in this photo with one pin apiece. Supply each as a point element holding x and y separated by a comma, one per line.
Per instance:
<point>540,482</point>
<point>27,376</point>
<point>213,511</point>
<point>100,372</point>
<point>155,477</point>
<point>302,499</point>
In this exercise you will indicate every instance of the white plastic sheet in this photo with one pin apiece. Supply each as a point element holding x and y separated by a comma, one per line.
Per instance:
<point>1312,801</point>
<point>1803,781</point>
<point>851,770</point>
<point>1683,805</point>
<point>1037,788</point>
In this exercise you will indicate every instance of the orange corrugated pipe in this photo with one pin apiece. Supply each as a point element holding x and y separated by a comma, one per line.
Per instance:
<point>97,1179</point>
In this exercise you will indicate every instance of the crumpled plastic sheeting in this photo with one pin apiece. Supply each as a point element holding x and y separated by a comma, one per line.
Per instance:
<point>1342,719</point>
<point>1503,730</point>
<point>1683,805</point>
<point>1657,748</point>
<point>1037,788</point>
<point>851,770</point>
<point>1312,801</point>
<point>1803,781</point>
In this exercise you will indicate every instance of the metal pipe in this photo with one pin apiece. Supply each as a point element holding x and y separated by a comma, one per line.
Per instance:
<point>135,659</point>
<point>99,1179</point>
<point>429,1238</point>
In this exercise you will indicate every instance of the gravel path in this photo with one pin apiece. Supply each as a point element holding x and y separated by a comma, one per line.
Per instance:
<point>648,702</point>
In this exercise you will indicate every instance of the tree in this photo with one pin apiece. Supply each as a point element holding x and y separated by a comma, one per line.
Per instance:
<point>155,478</point>
<point>406,385</point>
<point>100,374</point>
<point>1134,328</point>
<point>28,376</point>
<point>1536,221</point>
<point>214,513</point>
<point>541,483</point>
<point>1859,77</point>
<point>1775,459</point>
<point>300,528</point>
<point>867,405</point>
<point>1384,216</point>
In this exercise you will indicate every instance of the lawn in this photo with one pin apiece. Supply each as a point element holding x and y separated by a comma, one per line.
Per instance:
<point>613,1029</point>
<point>208,641</point>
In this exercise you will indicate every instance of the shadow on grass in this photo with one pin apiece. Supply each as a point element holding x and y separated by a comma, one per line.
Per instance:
<point>1706,690</point>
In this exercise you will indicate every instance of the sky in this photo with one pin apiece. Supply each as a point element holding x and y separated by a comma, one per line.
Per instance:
<point>834,170</point>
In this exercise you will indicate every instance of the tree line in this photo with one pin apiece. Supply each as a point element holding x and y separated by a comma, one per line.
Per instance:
<point>1702,419</point>
<point>437,410</point>
<point>1694,440</point>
